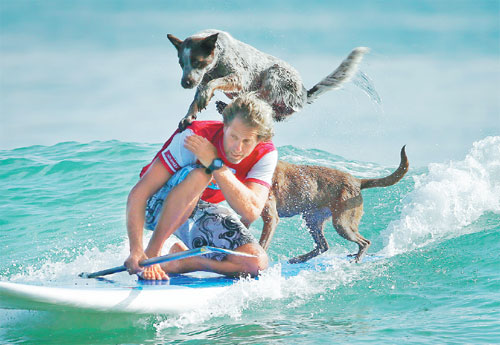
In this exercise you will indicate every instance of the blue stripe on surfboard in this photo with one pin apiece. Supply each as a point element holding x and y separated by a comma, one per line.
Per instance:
<point>318,264</point>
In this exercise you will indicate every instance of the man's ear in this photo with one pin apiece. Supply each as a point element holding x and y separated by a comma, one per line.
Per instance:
<point>208,43</point>
<point>175,41</point>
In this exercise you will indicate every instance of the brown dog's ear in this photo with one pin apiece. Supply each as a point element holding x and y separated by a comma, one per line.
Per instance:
<point>208,43</point>
<point>175,41</point>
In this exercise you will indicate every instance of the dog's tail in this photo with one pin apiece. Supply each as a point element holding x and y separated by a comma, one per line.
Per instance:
<point>341,75</point>
<point>392,178</point>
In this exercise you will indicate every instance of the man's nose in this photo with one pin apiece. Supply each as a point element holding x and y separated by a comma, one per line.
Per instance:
<point>239,146</point>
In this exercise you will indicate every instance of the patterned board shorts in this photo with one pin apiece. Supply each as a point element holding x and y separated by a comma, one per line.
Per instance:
<point>209,224</point>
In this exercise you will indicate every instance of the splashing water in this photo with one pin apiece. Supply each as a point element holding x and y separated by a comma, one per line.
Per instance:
<point>447,199</point>
<point>364,82</point>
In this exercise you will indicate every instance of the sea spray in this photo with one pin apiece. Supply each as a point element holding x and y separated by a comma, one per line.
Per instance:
<point>248,296</point>
<point>242,295</point>
<point>364,82</point>
<point>447,199</point>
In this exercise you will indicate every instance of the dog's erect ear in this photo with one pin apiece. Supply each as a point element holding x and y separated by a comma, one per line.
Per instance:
<point>175,41</point>
<point>208,43</point>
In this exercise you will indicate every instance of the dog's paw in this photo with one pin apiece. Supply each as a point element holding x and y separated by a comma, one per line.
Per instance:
<point>297,260</point>
<point>186,121</point>
<point>220,106</point>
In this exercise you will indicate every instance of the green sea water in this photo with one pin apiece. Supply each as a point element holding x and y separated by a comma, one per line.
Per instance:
<point>438,230</point>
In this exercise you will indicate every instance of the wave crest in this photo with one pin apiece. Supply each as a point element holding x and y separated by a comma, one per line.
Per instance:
<point>447,199</point>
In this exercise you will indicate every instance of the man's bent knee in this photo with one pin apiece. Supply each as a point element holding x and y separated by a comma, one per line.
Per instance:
<point>253,265</point>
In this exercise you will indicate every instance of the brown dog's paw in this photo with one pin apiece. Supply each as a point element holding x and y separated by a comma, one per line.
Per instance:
<point>298,259</point>
<point>220,106</point>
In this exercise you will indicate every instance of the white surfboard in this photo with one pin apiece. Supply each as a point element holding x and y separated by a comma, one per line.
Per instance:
<point>180,293</point>
<point>164,297</point>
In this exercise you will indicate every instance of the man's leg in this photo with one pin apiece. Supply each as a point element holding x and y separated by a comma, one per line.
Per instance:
<point>232,265</point>
<point>177,207</point>
<point>218,226</point>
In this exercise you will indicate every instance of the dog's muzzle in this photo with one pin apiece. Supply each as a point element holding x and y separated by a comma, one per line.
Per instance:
<point>187,83</point>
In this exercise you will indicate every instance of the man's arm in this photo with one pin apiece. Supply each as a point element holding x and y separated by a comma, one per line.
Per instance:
<point>156,176</point>
<point>247,199</point>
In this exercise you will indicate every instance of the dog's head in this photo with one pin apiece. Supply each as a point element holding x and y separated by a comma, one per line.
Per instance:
<point>196,57</point>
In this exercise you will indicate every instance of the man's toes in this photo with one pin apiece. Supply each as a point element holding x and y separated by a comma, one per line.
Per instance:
<point>159,275</point>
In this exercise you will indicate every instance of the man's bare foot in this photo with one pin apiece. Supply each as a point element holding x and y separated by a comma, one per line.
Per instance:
<point>177,247</point>
<point>154,272</point>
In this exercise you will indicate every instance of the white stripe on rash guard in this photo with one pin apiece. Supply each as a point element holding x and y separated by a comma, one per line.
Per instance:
<point>175,155</point>
<point>263,170</point>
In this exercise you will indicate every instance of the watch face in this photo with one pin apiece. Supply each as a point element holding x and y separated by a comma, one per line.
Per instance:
<point>218,163</point>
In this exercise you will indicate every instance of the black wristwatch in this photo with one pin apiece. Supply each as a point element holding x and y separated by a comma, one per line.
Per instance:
<point>217,163</point>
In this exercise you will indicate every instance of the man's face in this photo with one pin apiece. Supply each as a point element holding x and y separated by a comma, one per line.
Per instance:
<point>239,140</point>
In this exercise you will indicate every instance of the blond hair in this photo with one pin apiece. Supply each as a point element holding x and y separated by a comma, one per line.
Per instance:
<point>254,112</point>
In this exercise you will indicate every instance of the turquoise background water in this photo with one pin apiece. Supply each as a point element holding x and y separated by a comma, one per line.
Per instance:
<point>89,91</point>
<point>438,229</point>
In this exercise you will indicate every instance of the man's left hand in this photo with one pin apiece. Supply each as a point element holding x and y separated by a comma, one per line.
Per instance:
<point>203,149</point>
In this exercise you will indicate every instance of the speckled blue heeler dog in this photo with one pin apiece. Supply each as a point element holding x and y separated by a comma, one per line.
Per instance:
<point>213,60</point>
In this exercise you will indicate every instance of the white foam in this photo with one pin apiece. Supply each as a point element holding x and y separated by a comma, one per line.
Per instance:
<point>245,295</point>
<point>447,199</point>
<point>237,298</point>
<point>292,292</point>
<point>92,259</point>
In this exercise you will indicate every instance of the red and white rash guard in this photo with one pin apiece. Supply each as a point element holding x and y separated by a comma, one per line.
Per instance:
<point>258,167</point>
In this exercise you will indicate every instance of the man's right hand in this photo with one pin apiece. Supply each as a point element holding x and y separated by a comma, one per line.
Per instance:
<point>132,263</point>
<point>153,272</point>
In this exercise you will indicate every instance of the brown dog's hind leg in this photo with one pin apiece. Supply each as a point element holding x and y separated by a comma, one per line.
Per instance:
<point>314,222</point>
<point>346,217</point>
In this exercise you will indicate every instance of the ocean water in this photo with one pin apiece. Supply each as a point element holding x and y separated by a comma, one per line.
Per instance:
<point>63,211</point>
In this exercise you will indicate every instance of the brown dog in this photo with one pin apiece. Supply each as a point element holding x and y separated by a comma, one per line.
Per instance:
<point>319,193</point>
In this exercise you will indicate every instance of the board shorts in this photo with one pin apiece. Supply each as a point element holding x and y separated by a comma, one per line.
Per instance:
<point>209,224</point>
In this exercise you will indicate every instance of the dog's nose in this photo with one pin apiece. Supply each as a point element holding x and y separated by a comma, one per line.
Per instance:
<point>187,83</point>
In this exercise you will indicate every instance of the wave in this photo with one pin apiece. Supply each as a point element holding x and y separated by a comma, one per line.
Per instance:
<point>447,200</point>
<point>297,155</point>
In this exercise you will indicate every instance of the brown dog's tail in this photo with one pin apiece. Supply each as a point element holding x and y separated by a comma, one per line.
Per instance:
<point>392,178</point>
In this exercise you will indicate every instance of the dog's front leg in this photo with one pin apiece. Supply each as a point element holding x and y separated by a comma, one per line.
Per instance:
<point>229,83</point>
<point>270,218</point>
<point>315,224</point>
<point>205,92</point>
<point>191,114</point>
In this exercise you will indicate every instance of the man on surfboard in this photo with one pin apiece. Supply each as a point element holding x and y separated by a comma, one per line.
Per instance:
<point>179,192</point>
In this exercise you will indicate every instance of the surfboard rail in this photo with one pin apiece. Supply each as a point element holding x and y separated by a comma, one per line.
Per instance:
<point>140,299</point>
